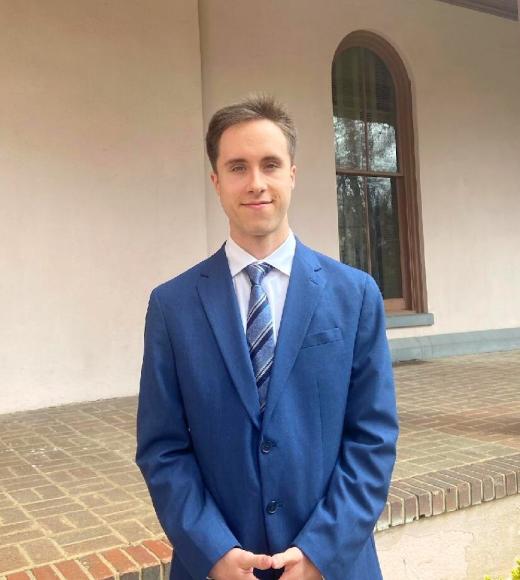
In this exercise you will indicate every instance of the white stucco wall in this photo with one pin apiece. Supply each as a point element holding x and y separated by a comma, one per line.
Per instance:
<point>465,72</point>
<point>101,187</point>
<point>468,543</point>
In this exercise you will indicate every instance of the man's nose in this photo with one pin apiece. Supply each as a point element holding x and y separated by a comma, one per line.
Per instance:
<point>257,182</point>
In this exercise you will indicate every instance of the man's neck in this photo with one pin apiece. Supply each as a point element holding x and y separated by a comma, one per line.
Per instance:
<point>262,246</point>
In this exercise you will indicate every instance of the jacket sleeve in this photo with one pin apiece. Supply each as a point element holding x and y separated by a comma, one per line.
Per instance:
<point>344,518</point>
<point>185,508</point>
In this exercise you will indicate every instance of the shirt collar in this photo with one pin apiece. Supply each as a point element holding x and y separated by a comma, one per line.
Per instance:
<point>281,258</point>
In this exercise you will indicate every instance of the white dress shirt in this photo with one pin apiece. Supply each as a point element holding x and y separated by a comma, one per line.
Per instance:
<point>275,282</point>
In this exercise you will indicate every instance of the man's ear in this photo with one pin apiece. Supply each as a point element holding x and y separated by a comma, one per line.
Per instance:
<point>293,175</point>
<point>214,179</point>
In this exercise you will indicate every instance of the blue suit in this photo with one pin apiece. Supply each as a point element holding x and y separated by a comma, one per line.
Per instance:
<point>315,471</point>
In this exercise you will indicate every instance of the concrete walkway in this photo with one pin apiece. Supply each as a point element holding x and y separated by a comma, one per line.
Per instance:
<point>73,504</point>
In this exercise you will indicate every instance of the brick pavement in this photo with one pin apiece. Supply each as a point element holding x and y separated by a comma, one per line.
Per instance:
<point>460,435</point>
<point>455,411</point>
<point>73,504</point>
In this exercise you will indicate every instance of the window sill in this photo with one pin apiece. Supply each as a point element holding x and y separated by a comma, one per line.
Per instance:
<point>408,320</point>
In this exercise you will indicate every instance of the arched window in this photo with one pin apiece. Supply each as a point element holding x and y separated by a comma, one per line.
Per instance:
<point>378,210</point>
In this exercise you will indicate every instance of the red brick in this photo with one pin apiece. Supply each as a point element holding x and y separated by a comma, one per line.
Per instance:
<point>11,558</point>
<point>45,573</point>
<point>509,474</point>
<point>475,484</point>
<point>384,519</point>
<point>436,493</point>
<point>449,490</point>
<point>19,576</point>
<point>463,489</point>
<point>119,560</point>
<point>424,498</point>
<point>488,486</point>
<point>72,570</point>
<point>160,548</point>
<point>410,504</point>
<point>96,567</point>
<point>396,510</point>
<point>142,556</point>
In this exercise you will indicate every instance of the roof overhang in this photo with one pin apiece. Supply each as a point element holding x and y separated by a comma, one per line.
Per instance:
<point>503,8</point>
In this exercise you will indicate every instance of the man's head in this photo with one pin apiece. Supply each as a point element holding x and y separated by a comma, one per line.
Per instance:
<point>252,109</point>
<point>251,148</point>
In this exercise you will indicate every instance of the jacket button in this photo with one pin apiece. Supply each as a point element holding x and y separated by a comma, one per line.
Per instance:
<point>272,506</point>
<point>266,446</point>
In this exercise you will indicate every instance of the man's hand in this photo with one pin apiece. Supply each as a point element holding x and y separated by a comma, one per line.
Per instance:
<point>297,565</point>
<point>238,564</point>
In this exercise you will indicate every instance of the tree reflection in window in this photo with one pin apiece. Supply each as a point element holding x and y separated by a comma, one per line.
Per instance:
<point>367,166</point>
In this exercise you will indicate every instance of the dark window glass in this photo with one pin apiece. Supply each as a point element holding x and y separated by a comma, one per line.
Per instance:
<point>384,235</point>
<point>367,166</point>
<point>352,205</point>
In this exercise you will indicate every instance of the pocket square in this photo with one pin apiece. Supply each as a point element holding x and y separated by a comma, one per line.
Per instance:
<point>322,337</point>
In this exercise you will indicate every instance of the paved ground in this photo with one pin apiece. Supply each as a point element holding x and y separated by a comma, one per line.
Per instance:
<point>69,489</point>
<point>456,411</point>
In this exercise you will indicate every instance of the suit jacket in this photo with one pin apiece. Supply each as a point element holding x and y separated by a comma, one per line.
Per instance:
<point>315,471</point>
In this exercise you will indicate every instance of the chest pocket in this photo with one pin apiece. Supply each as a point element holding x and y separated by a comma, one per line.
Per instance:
<point>322,337</point>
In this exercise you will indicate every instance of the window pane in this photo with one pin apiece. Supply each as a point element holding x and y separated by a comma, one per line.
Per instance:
<point>380,114</point>
<point>352,221</point>
<point>347,101</point>
<point>384,235</point>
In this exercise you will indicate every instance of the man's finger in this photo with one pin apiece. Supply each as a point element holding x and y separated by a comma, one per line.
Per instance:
<point>260,561</point>
<point>290,556</point>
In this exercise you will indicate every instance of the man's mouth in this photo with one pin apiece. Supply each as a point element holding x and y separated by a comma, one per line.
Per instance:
<point>256,204</point>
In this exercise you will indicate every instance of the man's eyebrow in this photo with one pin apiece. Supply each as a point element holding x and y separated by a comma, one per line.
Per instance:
<point>266,159</point>
<point>233,161</point>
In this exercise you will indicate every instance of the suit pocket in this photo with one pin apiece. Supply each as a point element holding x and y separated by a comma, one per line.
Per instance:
<point>323,337</point>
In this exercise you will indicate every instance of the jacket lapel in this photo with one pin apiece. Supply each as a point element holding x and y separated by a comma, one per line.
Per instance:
<point>216,291</point>
<point>305,285</point>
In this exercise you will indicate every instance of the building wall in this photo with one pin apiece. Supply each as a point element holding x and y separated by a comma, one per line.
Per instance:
<point>465,79</point>
<point>102,170</point>
<point>469,543</point>
<point>101,187</point>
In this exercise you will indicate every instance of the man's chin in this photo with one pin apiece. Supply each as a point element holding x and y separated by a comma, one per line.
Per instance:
<point>259,231</point>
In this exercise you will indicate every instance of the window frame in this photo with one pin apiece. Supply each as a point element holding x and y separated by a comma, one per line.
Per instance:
<point>414,298</point>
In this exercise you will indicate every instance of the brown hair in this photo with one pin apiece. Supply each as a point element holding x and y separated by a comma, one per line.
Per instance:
<point>252,109</point>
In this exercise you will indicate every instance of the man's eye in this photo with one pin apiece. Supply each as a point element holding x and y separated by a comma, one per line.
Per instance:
<point>272,166</point>
<point>237,168</point>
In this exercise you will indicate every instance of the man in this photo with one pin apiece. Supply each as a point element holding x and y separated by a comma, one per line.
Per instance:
<point>267,421</point>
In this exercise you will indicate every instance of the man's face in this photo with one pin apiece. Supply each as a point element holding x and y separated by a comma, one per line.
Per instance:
<point>254,179</point>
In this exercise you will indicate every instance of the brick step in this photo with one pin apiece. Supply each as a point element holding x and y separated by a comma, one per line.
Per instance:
<point>449,490</point>
<point>149,560</point>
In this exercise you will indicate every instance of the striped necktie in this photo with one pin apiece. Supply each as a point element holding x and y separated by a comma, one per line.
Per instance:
<point>259,330</point>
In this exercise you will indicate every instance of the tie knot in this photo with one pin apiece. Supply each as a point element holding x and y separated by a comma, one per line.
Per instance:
<point>257,272</point>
